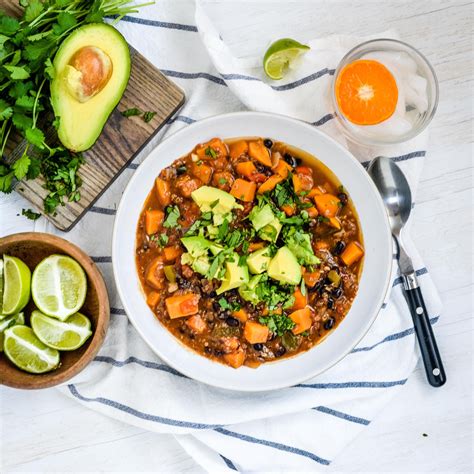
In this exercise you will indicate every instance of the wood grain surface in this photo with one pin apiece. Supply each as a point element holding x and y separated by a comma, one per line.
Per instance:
<point>120,141</point>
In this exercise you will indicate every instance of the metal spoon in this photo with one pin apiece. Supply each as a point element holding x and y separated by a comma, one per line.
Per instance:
<point>396,194</point>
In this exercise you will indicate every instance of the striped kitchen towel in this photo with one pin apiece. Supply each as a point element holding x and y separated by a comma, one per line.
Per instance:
<point>302,428</point>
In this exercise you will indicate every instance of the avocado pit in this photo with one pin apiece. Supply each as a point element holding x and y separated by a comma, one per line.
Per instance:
<point>87,73</point>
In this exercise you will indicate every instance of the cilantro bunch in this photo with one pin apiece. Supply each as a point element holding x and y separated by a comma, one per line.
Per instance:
<point>27,46</point>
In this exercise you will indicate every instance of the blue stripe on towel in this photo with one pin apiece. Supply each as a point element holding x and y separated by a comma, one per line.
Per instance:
<point>392,337</point>
<point>228,462</point>
<point>340,414</point>
<point>103,210</point>
<point>323,120</point>
<point>271,444</point>
<point>159,24</point>
<point>332,385</point>
<point>102,259</point>
<point>193,75</point>
<point>304,80</point>
<point>181,118</point>
<point>408,156</point>
<point>139,414</point>
<point>399,280</point>
<point>143,363</point>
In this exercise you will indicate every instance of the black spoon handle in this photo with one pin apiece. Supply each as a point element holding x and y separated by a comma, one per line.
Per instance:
<point>424,332</point>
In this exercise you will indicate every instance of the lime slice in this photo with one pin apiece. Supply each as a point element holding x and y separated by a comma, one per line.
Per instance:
<point>27,352</point>
<point>280,55</point>
<point>16,285</point>
<point>7,322</point>
<point>59,286</point>
<point>1,286</point>
<point>62,335</point>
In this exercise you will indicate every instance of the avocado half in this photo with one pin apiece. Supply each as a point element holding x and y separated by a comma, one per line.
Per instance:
<point>81,120</point>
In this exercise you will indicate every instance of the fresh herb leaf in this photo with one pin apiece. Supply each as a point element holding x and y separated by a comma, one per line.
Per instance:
<point>131,112</point>
<point>147,116</point>
<point>222,181</point>
<point>278,323</point>
<point>209,151</point>
<point>231,305</point>
<point>20,167</point>
<point>30,214</point>
<point>17,72</point>
<point>172,216</point>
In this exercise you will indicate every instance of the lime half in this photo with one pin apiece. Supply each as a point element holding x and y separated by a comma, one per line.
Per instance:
<point>59,286</point>
<point>9,321</point>
<point>16,285</point>
<point>1,286</point>
<point>280,55</point>
<point>62,335</point>
<point>27,352</point>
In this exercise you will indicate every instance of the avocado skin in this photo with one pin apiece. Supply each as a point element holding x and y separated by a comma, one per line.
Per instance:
<point>80,124</point>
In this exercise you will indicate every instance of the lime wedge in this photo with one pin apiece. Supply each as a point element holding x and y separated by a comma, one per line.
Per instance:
<point>7,322</point>
<point>280,55</point>
<point>1,286</point>
<point>27,352</point>
<point>59,286</point>
<point>16,285</point>
<point>62,335</point>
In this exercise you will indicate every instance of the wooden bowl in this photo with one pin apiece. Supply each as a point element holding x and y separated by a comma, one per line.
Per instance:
<point>32,247</point>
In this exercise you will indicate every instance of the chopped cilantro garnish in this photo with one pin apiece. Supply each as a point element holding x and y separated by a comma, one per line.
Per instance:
<point>32,215</point>
<point>131,112</point>
<point>210,152</point>
<point>222,181</point>
<point>277,323</point>
<point>172,216</point>
<point>147,116</point>
<point>224,304</point>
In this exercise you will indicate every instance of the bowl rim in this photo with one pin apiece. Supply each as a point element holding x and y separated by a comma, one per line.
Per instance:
<point>343,121</point>
<point>53,378</point>
<point>186,370</point>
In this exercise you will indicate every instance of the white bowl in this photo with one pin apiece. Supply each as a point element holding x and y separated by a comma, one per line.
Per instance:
<point>375,276</point>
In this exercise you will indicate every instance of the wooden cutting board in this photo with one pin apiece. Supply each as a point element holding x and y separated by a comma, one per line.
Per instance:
<point>120,141</point>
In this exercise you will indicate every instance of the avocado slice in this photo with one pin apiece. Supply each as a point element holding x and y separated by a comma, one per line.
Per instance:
<point>261,216</point>
<point>196,245</point>
<point>235,275</point>
<point>271,231</point>
<point>284,267</point>
<point>258,261</point>
<point>248,291</point>
<point>83,100</point>
<point>215,200</point>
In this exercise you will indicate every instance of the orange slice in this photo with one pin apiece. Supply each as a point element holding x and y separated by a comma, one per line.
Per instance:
<point>366,92</point>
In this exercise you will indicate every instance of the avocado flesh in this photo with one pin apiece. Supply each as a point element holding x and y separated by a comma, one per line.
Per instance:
<point>81,123</point>
<point>235,275</point>
<point>284,267</point>
<point>258,261</point>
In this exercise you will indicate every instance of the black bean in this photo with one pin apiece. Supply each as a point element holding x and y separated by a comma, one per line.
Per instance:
<point>291,160</point>
<point>337,292</point>
<point>268,143</point>
<point>217,307</point>
<point>343,198</point>
<point>330,303</point>
<point>280,351</point>
<point>218,352</point>
<point>329,324</point>
<point>258,346</point>
<point>339,247</point>
<point>207,350</point>
<point>212,294</point>
<point>181,170</point>
<point>232,321</point>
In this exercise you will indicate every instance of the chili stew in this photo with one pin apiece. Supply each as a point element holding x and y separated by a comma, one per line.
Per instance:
<point>248,250</point>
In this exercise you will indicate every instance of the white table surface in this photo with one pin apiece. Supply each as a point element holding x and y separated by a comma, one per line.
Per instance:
<point>44,432</point>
